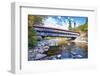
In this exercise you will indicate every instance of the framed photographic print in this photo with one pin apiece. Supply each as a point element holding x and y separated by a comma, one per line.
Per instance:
<point>52,38</point>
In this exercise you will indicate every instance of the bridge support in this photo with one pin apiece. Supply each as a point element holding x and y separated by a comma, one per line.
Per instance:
<point>73,38</point>
<point>43,37</point>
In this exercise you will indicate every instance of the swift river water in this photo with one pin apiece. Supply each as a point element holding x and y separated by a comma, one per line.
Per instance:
<point>52,50</point>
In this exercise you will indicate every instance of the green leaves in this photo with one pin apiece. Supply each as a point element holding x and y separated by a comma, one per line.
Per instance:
<point>32,38</point>
<point>83,28</point>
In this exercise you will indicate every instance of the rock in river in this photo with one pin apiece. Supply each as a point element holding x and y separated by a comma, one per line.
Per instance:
<point>39,56</point>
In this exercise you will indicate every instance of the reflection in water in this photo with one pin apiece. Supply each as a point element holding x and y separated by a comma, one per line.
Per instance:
<point>70,50</point>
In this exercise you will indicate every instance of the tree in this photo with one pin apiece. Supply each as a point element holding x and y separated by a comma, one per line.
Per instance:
<point>82,28</point>
<point>74,25</point>
<point>32,38</point>
<point>70,26</point>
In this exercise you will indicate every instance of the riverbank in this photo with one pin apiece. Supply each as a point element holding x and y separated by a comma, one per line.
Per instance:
<point>59,48</point>
<point>82,38</point>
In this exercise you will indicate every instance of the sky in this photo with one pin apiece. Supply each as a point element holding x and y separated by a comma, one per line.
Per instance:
<point>62,21</point>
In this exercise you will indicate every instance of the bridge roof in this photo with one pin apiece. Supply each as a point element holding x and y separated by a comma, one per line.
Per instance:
<point>55,29</point>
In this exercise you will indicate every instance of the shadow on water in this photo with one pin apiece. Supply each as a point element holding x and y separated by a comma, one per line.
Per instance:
<point>68,50</point>
<point>75,50</point>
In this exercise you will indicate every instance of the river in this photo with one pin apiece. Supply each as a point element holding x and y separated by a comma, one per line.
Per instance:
<point>55,49</point>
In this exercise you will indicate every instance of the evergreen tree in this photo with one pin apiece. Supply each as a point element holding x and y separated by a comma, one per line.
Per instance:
<point>70,26</point>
